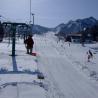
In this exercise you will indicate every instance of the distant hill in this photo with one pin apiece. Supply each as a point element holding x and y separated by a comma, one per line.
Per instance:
<point>76,26</point>
<point>59,27</point>
<point>40,29</point>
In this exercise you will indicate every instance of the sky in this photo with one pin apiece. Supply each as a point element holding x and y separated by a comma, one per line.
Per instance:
<point>49,13</point>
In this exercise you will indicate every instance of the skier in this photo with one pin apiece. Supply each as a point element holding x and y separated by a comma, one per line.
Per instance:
<point>89,55</point>
<point>68,39</point>
<point>29,44</point>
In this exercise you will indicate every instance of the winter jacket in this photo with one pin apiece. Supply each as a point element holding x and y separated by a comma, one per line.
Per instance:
<point>29,42</point>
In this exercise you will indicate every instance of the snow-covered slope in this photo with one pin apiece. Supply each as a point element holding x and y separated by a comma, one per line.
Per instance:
<point>66,70</point>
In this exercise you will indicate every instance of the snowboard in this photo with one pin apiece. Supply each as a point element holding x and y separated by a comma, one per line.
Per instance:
<point>34,54</point>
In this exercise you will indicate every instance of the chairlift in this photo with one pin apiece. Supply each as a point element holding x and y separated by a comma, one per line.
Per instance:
<point>13,33</point>
<point>1,32</point>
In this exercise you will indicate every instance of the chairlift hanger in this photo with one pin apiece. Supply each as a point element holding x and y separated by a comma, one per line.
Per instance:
<point>14,23</point>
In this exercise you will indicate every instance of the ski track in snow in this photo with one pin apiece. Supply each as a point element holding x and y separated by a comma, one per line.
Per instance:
<point>53,89</point>
<point>48,61</point>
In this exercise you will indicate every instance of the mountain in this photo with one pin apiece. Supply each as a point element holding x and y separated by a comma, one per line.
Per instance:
<point>70,27</point>
<point>58,28</point>
<point>40,29</point>
<point>76,26</point>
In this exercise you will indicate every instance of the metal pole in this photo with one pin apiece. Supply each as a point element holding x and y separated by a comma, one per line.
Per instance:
<point>33,21</point>
<point>0,18</point>
<point>30,20</point>
<point>13,39</point>
<point>30,11</point>
<point>18,91</point>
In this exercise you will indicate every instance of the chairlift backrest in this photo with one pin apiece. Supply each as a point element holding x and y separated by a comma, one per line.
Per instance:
<point>1,32</point>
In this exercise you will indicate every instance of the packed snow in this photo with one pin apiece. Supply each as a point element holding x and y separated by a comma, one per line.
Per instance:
<point>67,72</point>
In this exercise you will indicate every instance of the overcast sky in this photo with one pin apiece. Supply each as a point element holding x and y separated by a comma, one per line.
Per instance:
<point>48,13</point>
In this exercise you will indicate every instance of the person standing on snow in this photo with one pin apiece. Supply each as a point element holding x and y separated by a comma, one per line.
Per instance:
<point>89,55</point>
<point>29,44</point>
<point>68,39</point>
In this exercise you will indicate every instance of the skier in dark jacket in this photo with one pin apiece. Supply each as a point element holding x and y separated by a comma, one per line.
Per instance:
<point>89,55</point>
<point>29,44</point>
<point>68,39</point>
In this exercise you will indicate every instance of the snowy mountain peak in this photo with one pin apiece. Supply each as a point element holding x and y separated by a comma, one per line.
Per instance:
<point>78,25</point>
